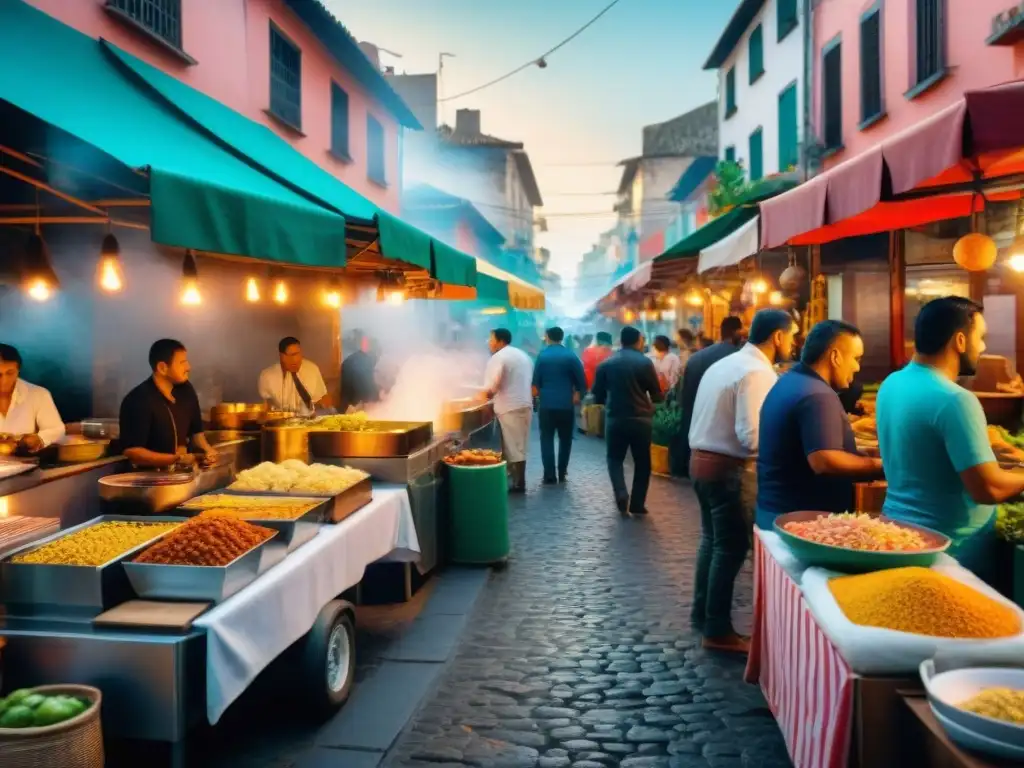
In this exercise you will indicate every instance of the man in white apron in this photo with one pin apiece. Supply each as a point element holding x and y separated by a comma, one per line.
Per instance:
<point>508,377</point>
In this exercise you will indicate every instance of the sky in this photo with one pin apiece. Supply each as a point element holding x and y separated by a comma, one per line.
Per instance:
<point>640,63</point>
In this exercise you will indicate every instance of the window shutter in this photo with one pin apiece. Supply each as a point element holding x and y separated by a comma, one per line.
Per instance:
<point>730,154</point>
<point>785,17</point>
<point>930,38</point>
<point>339,120</point>
<point>756,53</point>
<point>871,66</point>
<point>285,79</point>
<point>788,136</point>
<point>756,155</point>
<point>832,97</point>
<point>730,92</point>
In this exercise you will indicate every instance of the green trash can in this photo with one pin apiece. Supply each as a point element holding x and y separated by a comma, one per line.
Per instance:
<point>478,514</point>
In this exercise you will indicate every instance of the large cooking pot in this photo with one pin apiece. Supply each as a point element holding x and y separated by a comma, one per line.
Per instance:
<point>283,440</point>
<point>149,492</point>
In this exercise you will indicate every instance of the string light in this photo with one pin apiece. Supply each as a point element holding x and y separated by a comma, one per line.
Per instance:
<point>759,286</point>
<point>280,292</point>
<point>39,290</point>
<point>332,295</point>
<point>775,298</point>
<point>1017,262</point>
<point>694,299</point>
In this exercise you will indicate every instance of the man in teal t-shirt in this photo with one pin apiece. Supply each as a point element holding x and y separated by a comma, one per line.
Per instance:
<point>932,435</point>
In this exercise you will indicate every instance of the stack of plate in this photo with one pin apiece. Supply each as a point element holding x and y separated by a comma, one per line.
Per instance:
<point>948,690</point>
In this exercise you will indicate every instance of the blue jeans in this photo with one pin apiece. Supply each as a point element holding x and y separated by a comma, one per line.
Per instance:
<point>632,436</point>
<point>725,512</point>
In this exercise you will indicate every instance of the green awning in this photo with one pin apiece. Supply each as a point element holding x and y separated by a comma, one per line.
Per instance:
<point>455,267</point>
<point>491,291</point>
<point>202,196</point>
<point>724,225</point>
<point>260,146</point>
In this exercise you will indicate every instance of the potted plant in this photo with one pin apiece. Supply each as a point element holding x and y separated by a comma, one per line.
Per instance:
<point>666,425</point>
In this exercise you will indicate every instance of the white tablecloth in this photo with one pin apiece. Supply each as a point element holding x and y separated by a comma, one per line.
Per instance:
<point>253,627</point>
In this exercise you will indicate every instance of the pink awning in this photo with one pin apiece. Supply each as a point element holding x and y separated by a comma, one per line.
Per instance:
<point>981,134</point>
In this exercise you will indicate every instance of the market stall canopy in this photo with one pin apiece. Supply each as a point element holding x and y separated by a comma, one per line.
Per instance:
<point>259,145</point>
<point>946,159</point>
<point>521,295</point>
<point>202,196</point>
<point>731,249</point>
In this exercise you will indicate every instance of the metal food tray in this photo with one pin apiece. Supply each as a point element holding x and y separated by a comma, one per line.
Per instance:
<point>157,581</point>
<point>392,438</point>
<point>291,533</point>
<point>79,589</point>
<point>337,506</point>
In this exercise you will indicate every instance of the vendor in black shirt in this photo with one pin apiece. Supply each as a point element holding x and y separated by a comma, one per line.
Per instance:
<point>161,415</point>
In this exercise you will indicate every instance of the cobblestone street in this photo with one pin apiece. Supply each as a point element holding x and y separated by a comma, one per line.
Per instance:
<point>580,654</point>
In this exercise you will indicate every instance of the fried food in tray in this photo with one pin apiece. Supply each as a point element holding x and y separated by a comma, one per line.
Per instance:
<point>208,540</point>
<point>266,512</point>
<point>473,458</point>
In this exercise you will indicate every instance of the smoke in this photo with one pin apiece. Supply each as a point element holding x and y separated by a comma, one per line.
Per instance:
<point>421,366</point>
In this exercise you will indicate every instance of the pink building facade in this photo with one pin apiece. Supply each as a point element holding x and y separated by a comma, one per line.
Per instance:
<point>882,66</point>
<point>347,119</point>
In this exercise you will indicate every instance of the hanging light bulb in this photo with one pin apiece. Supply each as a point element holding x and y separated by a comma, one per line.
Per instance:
<point>694,299</point>
<point>39,279</point>
<point>759,286</point>
<point>1017,262</point>
<point>332,294</point>
<point>252,290</point>
<point>775,298</point>
<point>190,295</point>
<point>672,301</point>
<point>280,292</point>
<point>110,274</point>
<point>391,290</point>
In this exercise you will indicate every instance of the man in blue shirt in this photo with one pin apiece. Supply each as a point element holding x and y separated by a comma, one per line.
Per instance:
<point>932,435</point>
<point>808,458</point>
<point>558,383</point>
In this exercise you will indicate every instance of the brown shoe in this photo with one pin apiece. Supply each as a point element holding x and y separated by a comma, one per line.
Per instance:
<point>732,643</point>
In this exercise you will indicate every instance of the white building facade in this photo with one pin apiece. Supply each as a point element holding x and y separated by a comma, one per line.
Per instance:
<point>761,63</point>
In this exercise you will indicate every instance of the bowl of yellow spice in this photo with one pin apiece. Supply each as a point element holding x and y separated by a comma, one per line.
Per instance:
<point>981,708</point>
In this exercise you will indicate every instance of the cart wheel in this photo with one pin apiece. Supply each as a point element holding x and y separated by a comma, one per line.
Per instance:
<point>329,656</point>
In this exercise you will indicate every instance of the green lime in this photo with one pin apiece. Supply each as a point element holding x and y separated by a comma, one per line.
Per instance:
<point>18,695</point>
<point>33,701</point>
<point>77,705</point>
<point>17,716</point>
<point>53,711</point>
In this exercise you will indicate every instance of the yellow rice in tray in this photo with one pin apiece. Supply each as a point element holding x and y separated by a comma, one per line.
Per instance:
<point>923,601</point>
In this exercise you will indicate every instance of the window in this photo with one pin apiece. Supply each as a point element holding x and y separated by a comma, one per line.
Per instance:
<point>339,121</point>
<point>789,150</point>
<point>930,38</point>
<point>730,154</point>
<point>832,97</point>
<point>785,17</point>
<point>158,17</point>
<point>755,53</point>
<point>756,155</point>
<point>730,93</point>
<point>871,66</point>
<point>375,151</point>
<point>285,79</point>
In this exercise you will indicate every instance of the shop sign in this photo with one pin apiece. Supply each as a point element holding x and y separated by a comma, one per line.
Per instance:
<point>1008,26</point>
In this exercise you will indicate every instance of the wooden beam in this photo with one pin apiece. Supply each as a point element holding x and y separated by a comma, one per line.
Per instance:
<point>121,203</point>
<point>31,220</point>
<point>897,299</point>
<point>55,192</point>
<point>18,155</point>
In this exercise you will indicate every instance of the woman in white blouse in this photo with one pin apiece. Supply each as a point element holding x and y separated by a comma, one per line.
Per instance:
<point>26,409</point>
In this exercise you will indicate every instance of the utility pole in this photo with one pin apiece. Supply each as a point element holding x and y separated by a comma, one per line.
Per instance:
<point>440,85</point>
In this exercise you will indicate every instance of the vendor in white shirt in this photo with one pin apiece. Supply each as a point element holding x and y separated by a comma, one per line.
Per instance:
<point>26,410</point>
<point>509,379</point>
<point>293,384</point>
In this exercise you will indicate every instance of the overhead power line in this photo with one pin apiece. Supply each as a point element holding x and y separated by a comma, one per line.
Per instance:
<point>539,61</point>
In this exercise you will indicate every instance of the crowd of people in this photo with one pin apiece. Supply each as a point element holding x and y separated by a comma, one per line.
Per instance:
<point>756,444</point>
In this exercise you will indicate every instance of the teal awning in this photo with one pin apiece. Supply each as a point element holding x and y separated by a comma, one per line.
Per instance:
<point>455,267</point>
<point>202,195</point>
<point>491,291</point>
<point>263,148</point>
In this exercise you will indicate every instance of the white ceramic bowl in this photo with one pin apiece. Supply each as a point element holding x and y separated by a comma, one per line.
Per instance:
<point>947,690</point>
<point>976,742</point>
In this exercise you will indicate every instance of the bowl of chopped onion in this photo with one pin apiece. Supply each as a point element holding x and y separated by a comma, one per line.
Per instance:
<point>858,542</point>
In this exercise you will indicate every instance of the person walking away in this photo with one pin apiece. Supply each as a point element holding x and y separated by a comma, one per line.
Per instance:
<point>626,381</point>
<point>807,454</point>
<point>666,364</point>
<point>508,378</point>
<point>686,341</point>
<point>558,385</point>
<point>724,443</point>
<point>932,435</point>
<point>731,331</point>
<point>594,355</point>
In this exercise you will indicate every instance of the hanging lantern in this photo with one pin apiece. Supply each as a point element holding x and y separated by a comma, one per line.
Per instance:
<point>39,279</point>
<point>975,252</point>
<point>190,295</point>
<point>110,275</point>
<point>793,277</point>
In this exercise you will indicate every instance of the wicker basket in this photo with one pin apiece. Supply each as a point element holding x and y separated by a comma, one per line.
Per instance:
<point>78,741</point>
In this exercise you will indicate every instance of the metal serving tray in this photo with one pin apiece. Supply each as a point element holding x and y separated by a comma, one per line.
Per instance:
<point>336,506</point>
<point>291,533</point>
<point>154,581</point>
<point>83,590</point>
<point>392,438</point>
